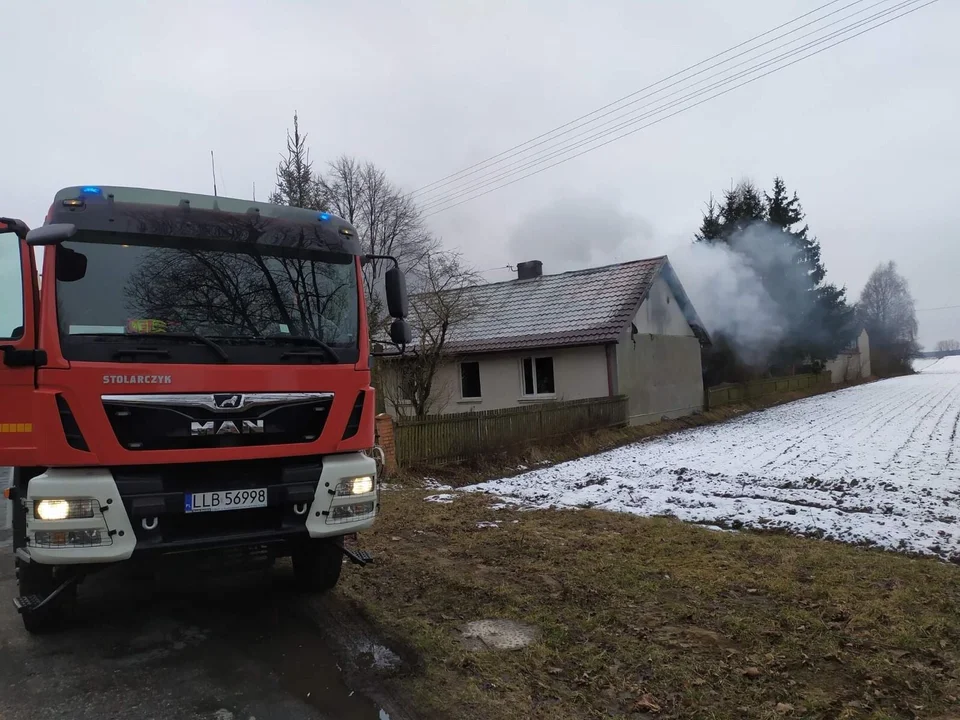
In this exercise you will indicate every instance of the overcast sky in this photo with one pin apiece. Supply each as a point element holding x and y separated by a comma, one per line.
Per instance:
<point>136,93</point>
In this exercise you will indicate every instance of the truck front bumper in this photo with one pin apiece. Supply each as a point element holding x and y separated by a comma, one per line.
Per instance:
<point>119,513</point>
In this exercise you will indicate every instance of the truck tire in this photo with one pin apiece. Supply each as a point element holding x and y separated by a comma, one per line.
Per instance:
<point>317,565</point>
<point>34,579</point>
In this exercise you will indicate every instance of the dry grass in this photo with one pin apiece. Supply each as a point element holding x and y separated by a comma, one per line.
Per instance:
<point>645,618</point>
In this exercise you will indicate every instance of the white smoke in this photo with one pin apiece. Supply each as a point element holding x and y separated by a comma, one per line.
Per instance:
<point>724,284</point>
<point>722,280</point>
<point>579,231</point>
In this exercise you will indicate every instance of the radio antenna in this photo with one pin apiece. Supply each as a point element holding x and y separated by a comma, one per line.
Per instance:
<point>213,169</point>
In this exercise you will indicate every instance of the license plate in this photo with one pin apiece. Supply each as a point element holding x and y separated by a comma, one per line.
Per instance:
<point>219,500</point>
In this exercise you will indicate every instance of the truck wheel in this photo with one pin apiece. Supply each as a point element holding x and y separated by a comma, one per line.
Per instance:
<point>317,565</point>
<point>34,579</point>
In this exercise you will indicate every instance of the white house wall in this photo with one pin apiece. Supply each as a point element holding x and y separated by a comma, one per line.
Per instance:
<point>660,315</point>
<point>852,365</point>
<point>863,345</point>
<point>579,373</point>
<point>658,365</point>
<point>660,375</point>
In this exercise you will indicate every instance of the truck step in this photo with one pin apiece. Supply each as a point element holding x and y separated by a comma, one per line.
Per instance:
<point>359,557</point>
<point>26,603</point>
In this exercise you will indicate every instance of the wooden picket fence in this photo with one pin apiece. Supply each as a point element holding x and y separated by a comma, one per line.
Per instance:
<point>464,435</point>
<point>727,394</point>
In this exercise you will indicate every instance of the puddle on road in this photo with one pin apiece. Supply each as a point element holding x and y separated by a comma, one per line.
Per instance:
<point>306,669</point>
<point>232,627</point>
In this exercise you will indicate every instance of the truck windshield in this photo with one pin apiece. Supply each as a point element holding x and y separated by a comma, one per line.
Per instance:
<point>254,300</point>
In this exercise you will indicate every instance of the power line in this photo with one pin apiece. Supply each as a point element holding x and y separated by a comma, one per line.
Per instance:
<point>627,97</point>
<point>942,307</point>
<point>529,145</point>
<point>437,204</point>
<point>677,112</point>
<point>556,149</point>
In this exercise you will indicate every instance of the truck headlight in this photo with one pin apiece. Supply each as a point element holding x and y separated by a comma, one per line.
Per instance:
<point>355,486</point>
<point>74,509</point>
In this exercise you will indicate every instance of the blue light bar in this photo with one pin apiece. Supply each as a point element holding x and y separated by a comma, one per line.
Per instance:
<point>324,216</point>
<point>90,190</point>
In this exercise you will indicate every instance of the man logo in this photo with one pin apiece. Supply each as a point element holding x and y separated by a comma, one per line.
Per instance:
<point>227,427</point>
<point>228,402</point>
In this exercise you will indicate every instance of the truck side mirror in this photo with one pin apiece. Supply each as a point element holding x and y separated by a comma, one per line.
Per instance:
<point>400,333</point>
<point>11,225</point>
<point>51,234</point>
<point>71,265</point>
<point>396,286</point>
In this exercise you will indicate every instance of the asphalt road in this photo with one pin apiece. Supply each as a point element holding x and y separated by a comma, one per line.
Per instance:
<point>232,647</point>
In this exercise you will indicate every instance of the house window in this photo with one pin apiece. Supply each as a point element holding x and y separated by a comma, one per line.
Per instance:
<point>469,380</point>
<point>407,382</point>
<point>538,376</point>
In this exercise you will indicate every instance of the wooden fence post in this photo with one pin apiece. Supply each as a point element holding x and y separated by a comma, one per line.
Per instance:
<point>387,441</point>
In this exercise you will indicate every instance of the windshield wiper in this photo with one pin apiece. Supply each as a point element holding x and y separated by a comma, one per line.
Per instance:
<point>322,349</point>
<point>197,337</point>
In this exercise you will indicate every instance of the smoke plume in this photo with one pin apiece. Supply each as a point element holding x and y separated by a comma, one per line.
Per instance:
<point>578,232</point>
<point>724,284</point>
<point>723,280</point>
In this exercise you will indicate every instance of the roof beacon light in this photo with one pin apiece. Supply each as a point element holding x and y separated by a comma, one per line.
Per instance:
<point>91,190</point>
<point>324,216</point>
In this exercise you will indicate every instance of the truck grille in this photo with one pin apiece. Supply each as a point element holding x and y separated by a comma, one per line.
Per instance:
<point>188,422</point>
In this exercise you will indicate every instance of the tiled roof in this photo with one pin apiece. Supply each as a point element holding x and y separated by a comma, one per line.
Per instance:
<point>583,307</point>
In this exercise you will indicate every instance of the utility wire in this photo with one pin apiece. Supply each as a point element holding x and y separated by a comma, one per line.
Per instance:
<point>457,193</point>
<point>627,97</point>
<point>677,112</point>
<point>619,104</point>
<point>431,203</point>
<point>942,307</point>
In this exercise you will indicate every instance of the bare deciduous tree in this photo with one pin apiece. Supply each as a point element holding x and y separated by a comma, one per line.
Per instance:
<point>886,309</point>
<point>441,301</point>
<point>948,346</point>
<point>388,222</point>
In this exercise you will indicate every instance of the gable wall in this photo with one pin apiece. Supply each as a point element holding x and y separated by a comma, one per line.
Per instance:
<point>660,314</point>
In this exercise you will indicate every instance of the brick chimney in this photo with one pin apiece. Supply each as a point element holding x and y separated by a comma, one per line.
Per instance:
<point>529,270</point>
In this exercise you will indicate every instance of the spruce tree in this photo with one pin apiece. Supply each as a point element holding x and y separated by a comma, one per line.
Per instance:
<point>296,184</point>
<point>711,228</point>
<point>766,231</point>
<point>819,317</point>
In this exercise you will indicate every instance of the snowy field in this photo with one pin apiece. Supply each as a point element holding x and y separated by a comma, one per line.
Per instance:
<point>876,464</point>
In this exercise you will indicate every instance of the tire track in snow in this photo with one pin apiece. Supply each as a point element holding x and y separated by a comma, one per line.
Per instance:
<point>883,403</point>
<point>896,409</point>
<point>877,404</point>
<point>953,437</point>
<point>946,401</point>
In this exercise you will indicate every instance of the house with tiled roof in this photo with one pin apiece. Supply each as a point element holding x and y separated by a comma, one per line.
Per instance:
<point>625,329</point>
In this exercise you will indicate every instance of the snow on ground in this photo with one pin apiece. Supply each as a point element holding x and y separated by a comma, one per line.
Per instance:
<point>874,464</point>
<point>921,364</point>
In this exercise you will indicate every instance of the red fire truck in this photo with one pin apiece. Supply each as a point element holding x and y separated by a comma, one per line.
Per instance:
<point>193,375</point>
